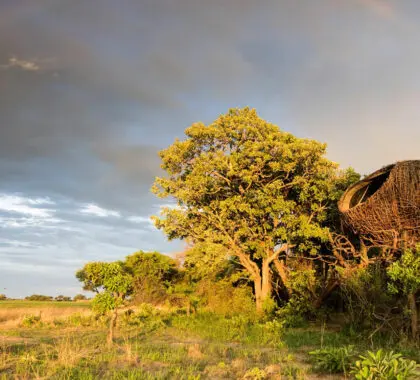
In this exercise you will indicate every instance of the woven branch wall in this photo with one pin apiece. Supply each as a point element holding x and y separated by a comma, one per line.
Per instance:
<point>384,208</point>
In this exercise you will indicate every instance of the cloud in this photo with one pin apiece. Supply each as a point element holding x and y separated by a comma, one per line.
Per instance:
<point>382,8</point>
<point>99,211</point>
<point>26,206</point>
<point>21,64</point>
<point>139,219</point>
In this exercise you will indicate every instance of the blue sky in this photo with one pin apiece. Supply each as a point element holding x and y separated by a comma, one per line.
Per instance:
<point>91,90</point>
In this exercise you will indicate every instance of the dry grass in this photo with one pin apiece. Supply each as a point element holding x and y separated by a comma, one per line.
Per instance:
<point>10,318</point>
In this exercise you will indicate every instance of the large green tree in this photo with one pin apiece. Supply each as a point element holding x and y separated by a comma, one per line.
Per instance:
<point>243,183</point>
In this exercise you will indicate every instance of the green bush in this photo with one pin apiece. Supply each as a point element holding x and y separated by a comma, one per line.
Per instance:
<point>147,317</point>
<point>382,365</point>
<point>31,320</point>
<point>333,359</point>
<point>79,297</point>
<point>294,313</point>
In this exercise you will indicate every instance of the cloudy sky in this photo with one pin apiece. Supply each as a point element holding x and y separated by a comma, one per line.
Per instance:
<point>90,90</point>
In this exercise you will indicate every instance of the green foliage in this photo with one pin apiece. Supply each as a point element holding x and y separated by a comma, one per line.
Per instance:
<point>152,274</point>
<point>293,314</point>
<point>79,297</point>
<point>364,290</point>
<point>243,184</point>
<point>62,298</point>
<point>91,276</point>
<point>333,359</point>
<point>31,320</point>
<point>115,284</point>
<point>255,374</point>
<point>147,318</point>
<point>383,365</point>
<point>38,297</point>
<point>104,302</point>
<point>404,274</point>
<point>111,278</point>
<point>269,308</point>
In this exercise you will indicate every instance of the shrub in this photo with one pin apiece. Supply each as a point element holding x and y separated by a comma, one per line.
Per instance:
<point>221,297</point>
<point>382,365</point>
<point>272,332</point>
<point>255,374</point>
<point>295,313</point>
<point>31,320</point>
<point>3,297</point>
<point>79,320</point>
<point>333,359</point>
<point>79,297</point>
<point>62,298</point>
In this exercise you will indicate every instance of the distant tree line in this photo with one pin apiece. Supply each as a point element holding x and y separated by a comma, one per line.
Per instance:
<point>41,297</point>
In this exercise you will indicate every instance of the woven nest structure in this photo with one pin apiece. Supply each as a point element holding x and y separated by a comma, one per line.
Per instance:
<point>384,207</point>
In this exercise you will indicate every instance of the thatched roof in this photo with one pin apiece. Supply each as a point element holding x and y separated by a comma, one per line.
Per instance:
<point>384,207</point>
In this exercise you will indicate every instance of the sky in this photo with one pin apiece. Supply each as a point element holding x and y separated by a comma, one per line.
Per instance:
<point>91,90</point>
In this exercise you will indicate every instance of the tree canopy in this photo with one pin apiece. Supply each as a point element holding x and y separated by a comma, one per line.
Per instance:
<point>242,183</point>
<point>152,274</point>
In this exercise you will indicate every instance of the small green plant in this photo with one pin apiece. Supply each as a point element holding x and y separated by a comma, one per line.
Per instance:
<point>382,365</point>
<point>333,359</point>
<point>31,320</point>
<point>293,373</point>
<point>255,374</point>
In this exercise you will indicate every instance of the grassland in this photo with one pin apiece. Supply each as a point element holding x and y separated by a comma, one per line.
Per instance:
<point>69,343</point>
<point>23,304</point>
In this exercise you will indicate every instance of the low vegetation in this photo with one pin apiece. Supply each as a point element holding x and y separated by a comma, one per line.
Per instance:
<point>152,343</point>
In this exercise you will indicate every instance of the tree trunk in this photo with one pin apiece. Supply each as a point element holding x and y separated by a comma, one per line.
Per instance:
<point>284,275</point>
<point>414,315</point>
<point>262,286</point>
<point>188,307</point>
<point>112,324</point>
<point>258,293</point>
<point>328,289</point>
<point>266,281</point>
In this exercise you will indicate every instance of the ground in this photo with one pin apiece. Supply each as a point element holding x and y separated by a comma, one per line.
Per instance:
<point>58,341</point>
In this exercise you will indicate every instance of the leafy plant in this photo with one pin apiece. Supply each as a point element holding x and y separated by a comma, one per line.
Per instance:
<point>405,279</point>
<point>31,320</point>
<point>255,374</point>
<point>333,359</point>
<point>383,365</point>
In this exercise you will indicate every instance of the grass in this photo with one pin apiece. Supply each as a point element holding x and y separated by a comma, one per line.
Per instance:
<point>168,346</point>
<point>15,312</point>
<point>19,304</point>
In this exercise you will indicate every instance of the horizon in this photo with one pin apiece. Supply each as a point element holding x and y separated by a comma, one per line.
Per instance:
<point>91,91</point>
